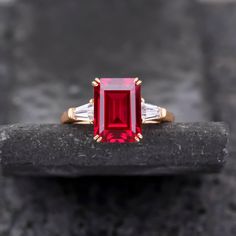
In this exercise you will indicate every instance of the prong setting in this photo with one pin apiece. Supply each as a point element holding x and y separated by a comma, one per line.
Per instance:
<point>95,84</point>
<point>96,137</point>
<point>99,139</point>
<point>140,135</point>
<point>138,82</point>
<point>137,139</point>
<point>97,80</point>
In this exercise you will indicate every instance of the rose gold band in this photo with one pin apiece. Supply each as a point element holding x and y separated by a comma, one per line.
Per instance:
<point>65,119</point>
<point>169,117</point>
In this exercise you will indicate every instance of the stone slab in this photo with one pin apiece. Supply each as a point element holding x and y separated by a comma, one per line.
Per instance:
<point>69,150</point>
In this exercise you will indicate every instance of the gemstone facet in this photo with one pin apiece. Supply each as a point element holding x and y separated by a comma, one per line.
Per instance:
<point>117,110</point>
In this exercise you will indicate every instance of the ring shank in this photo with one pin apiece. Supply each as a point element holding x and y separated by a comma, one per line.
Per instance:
<point>65,119</point>
<point>169,117</point>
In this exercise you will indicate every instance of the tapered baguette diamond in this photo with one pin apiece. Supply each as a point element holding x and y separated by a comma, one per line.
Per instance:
<point>85,112</point>
<point>150,112</point>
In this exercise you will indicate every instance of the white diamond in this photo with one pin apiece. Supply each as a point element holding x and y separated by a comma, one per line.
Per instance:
<point>150,112</point>
<point>84,112</point>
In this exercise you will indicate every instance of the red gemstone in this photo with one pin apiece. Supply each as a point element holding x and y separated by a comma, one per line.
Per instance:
<point>117,110</point>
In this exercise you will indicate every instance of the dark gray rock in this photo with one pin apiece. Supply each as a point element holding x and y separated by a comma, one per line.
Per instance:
<point>56,51</point>
<point>69,150</point>
<point>216,27</point>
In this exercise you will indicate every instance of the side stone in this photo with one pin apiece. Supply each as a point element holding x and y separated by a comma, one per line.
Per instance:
<point>85,112</point>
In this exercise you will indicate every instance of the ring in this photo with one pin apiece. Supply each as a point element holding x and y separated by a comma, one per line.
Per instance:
<point>117,111</point>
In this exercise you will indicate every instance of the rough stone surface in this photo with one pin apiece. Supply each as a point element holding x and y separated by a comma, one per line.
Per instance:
<point>70,150</point>
<point>184,49</point>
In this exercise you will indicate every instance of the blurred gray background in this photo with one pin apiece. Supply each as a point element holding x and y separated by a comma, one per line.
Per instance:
<point>185,53</point>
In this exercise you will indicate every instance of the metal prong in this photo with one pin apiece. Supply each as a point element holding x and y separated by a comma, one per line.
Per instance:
<point>95,84</point>
<point>97,80</point>
<point>136,79</point>
<point>140,135</point>
<point>138,82</point>
<point>99,139</point>
<point>142,100</point>
<point>91,101</point>
<point>96,137</point>
<point>136,138</point>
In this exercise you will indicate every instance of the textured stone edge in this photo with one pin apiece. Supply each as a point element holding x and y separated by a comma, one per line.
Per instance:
<point>69,150</point>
